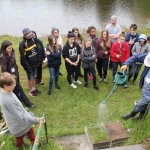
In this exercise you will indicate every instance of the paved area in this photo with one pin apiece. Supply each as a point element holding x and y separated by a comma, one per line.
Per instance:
<point>80,142</point>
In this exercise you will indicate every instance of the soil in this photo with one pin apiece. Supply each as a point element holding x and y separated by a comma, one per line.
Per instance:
<point>116,132</point>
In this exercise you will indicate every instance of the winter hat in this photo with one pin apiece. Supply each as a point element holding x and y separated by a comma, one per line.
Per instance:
<point>27,32</point>
<point>147,60</point>
<point>70,34</point>
<point>142,37</point>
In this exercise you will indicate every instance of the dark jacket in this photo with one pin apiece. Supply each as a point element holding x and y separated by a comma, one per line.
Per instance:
<point>138,58</point>
<point>87,60</point>
<point>12,68</point>
<point>54,59</point>
<point>40,48</point>
<point>100,50</point>
<point>71,52</point>
<point>29,54</point>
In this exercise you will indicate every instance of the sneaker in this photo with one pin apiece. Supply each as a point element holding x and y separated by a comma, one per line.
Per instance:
<point>100,80</point>
<point>113,81</point>
<point>38,92</point>
<point>96,88</point>
<point>33,93</point>
<point>32,106</point>
<point>77,82</point>
<point>85,85</point>
<point>105,80</point>
<point>72,85</point>
<point>125,86</point>
<point>41,83</point>
<point>49,92</point>
<point>57,87</point>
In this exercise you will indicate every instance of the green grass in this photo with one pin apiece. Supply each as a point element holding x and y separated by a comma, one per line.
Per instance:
<point>69,110</point>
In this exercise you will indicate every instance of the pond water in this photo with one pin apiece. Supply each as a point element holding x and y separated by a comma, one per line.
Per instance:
<point>42,15</point>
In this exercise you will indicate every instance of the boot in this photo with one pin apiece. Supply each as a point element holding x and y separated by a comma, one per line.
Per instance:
<point>127,116</point>
<point>140,116</point>
<point>129,77</point>
<point>134,79</point>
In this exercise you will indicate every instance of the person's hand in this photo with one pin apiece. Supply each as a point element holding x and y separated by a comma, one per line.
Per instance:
<point>124,67</point>
<point>96,60</point>
<point>47,53</point>
<point>131,42</point>
<point>75,63</point>
<point>106,52</point>
<point>93,56</point>
<point>118,56</point>
<point>42,119</point>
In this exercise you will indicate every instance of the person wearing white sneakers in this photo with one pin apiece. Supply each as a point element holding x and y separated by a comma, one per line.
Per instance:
<point>71,54</point>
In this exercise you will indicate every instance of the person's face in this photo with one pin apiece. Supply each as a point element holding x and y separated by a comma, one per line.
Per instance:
<point>29,37</point>
<point>142,42</point>
<point>122,40</point>
<point>76,32</point>
<point>9,49</point>
<point>88,44</point>
<point>11,87</point>
<point>113,21</point>
<point>104,35</point>
<point>132,31</point>
<point>71,40</point>
<point>93,32</point>
<point>54,41</point>
<point>34,36</point>
<point>56,33</point>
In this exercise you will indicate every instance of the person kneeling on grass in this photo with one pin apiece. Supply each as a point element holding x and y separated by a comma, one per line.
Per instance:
<point>18,120</point>
<point>71,54</point>
<point>142,104</point>
<point>88,62</point>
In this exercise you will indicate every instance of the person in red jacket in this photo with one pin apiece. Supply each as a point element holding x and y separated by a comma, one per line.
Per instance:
<point>119,53</point>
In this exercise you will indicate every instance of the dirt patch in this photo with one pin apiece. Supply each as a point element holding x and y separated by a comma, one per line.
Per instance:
<point>116,132</point>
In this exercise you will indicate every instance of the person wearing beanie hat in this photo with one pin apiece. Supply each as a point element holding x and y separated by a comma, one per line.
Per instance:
<point>142,104</point>
<point>71,54</point>
<point>29,59</point>
<point>140,47</point>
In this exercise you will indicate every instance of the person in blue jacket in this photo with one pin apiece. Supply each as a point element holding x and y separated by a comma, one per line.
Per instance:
<point>53,52</point>
<point>142,104</point>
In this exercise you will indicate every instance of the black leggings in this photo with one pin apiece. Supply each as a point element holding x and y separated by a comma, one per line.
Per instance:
<point>70,69</point>
<point>92,70</point>
<point>103,64</point>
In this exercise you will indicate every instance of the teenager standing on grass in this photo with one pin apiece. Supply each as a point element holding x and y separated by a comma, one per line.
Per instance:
<point>88,62</point>
<point>91,31</point>
<point>42,58</point>
<point>53,52</point>
<point>30,59</point>
<point>103,46</point>
<point>139,47</point>
<point>55,33</point>
<point>119,53</point>
<point>8,64</point>
<point>71,54</point>
<point>79,41</point>
<point>114,30</point>
<point>18,120</point>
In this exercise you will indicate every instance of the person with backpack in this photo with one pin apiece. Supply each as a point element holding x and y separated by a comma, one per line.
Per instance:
<point>71,54</point>
<point>8,64</point>
<point>30,59</point>
<point>88,62</point>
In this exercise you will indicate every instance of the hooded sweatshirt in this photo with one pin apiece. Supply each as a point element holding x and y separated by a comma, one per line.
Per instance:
<point>71,52</point>
<point>121,49</point>
<point>18,120</point>
<point>88,61</point>
<point>140,48</point>
<point>59,38</point>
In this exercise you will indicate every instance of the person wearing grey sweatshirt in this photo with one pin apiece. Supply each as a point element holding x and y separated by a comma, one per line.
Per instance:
<point>140,47</point>
<point>18,120</point>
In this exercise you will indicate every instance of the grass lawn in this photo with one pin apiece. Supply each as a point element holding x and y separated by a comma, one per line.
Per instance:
<point>68,110</point>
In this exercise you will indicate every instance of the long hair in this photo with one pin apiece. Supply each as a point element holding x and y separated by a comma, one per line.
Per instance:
<point>50,43</point>
<point>108,42</point>
<point>79,35</point>
<point>3,51</point>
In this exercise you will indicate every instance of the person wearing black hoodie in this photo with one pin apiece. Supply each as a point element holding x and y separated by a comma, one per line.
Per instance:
<point>29,59</point>
<point>71,54</point>
<point>42,58</point>
<point>55,33</point>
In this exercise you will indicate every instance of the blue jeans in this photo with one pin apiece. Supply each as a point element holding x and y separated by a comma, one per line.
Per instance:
<point>141,105</point>
<point>135,69</point>
<point>54,74</point>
